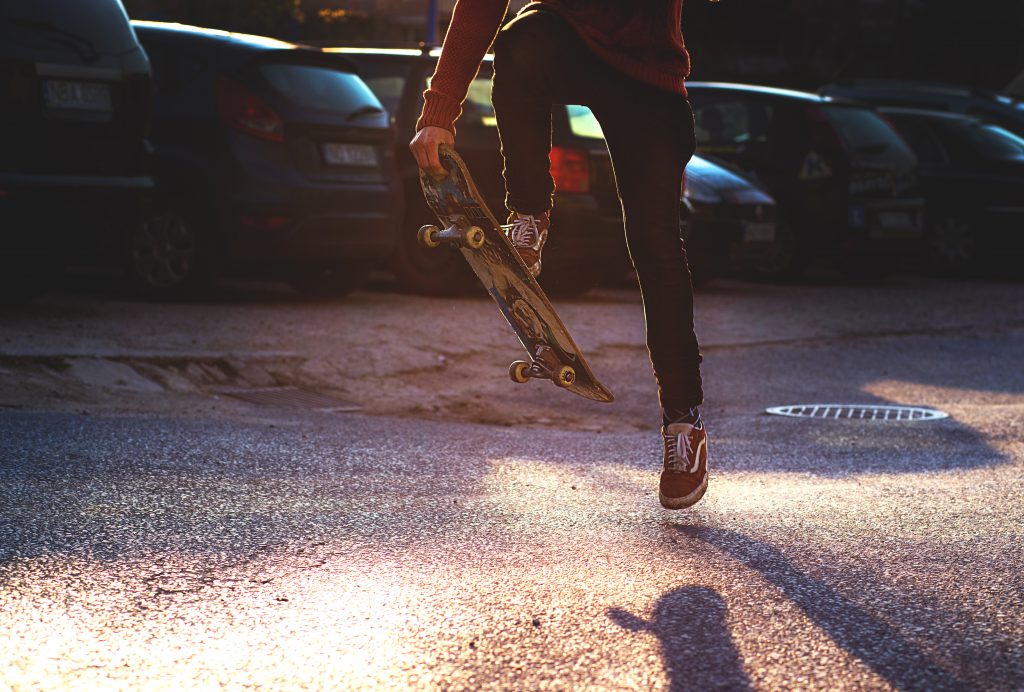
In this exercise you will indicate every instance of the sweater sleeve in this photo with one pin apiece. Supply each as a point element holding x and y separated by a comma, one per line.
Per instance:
<point>474,25</point>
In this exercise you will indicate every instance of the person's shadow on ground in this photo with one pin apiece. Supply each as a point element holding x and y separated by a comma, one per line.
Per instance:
<point>879,645</point>
<point>696,646</point>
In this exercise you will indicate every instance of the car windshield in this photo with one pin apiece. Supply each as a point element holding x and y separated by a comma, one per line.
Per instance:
<point>321,88</point>
<point>87,28</point>
<point>868,135</point>
<point>991,141</point>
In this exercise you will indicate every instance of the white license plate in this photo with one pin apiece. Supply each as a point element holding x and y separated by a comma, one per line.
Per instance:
<point>759,233</point>
<point>350,154</point>
<point>896,220</point>
<point>81,96</point>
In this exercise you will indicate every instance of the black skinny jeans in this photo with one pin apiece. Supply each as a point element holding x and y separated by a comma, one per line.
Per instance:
<point>539,61</point>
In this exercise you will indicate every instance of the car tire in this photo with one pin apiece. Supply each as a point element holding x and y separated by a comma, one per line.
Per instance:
<point>787,261</point>
<point>330,281</point>
<point>172,256</point>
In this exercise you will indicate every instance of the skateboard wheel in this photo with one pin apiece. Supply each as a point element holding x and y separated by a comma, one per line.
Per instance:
<point>566,377</point>
<point>475,237</point>
<point>427,236</point>
<point>517,371</point>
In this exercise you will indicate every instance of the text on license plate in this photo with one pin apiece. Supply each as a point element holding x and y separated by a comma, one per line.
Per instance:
<point>336,154</point>
<point>83,96</point>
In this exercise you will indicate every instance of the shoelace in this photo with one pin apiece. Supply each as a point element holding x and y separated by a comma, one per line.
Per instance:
<point>523,231</point>
<point>673,445</point>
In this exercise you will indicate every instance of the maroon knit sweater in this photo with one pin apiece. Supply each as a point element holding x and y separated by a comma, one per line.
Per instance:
<point>641,38</point>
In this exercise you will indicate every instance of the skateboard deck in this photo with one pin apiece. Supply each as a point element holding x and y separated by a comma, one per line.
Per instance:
<point>469,225</point>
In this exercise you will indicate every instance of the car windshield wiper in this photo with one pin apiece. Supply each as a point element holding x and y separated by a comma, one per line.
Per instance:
<point>78,43</point>
<point>365,110</point>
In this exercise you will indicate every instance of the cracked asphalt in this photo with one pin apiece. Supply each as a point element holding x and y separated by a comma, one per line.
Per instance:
<point>154,537</point>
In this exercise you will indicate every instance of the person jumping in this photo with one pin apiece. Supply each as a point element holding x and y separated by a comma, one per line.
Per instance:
<point>626,61</point>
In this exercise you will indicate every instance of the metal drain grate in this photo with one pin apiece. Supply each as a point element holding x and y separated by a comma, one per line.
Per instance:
<point>858,412</point>
<point>290,397</point>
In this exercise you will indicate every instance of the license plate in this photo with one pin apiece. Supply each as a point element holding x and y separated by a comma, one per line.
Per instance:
<point>896,221</point>
<point>350,154</point>
<point>80,96</point>
<point>759,233</point>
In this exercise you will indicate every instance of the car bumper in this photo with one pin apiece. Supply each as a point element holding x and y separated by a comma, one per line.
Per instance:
<point>313,224</point>
<point>69,214</point>
<point>885,227</point>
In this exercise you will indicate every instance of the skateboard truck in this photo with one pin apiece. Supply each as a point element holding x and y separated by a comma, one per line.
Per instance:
<point>520,371</point>
<point>432,236</point>
<point>466,224</point>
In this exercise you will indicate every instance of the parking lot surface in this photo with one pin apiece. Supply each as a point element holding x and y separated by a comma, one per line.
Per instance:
<point>460,531</point>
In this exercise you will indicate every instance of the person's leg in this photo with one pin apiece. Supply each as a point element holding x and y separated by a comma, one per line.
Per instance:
<point>650,138</point>
<point>538,62</point>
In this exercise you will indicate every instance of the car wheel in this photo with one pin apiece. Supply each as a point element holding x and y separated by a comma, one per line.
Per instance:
<point>333,281</point>
<point>170,258</point>
<point>439,271</point>
<point>786,260</point>
<point>953,245</point>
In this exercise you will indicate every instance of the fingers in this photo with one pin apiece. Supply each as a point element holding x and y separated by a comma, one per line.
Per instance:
<point>425,146</point>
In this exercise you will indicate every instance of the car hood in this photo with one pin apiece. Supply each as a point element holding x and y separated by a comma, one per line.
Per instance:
<point>727,184</point>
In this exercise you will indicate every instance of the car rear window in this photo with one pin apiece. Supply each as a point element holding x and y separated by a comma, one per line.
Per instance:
<point>87,28</point>
<point>865,132</point>
<point>991,141</point>
<point>584,123</point>
<point>320,88</point>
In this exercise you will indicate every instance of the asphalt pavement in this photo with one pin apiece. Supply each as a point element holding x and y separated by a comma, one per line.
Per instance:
<point>291,549</point>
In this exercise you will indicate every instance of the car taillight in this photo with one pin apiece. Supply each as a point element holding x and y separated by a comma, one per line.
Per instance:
<point>264,223</point>
<point>570,169</point>
<point>245,111</point>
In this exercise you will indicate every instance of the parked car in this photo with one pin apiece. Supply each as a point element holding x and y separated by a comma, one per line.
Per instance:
<point>843,179</point>
<point>728,222</point>
<point>74,110</point>
<point>587,244</point>
<point>972,173</point>
<point>587,239</point>
<point>273,159</point>
<point>1002,109</point>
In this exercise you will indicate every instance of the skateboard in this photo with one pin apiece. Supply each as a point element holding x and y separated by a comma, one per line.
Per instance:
<point>467,224</point>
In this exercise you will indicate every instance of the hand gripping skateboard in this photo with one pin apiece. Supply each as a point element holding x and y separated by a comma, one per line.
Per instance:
<point>468,224</point>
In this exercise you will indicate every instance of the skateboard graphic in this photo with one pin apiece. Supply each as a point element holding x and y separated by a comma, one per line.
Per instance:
<point>467,223</point>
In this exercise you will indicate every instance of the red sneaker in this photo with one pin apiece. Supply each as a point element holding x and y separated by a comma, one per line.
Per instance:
<point>528,233</point>
<point>685,477</point>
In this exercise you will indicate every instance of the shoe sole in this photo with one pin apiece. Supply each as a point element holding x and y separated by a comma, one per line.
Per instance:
<point>686,500</point>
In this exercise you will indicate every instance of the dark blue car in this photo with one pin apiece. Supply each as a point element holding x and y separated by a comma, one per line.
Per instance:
<point>972,173</point>
<point>273,159</point>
